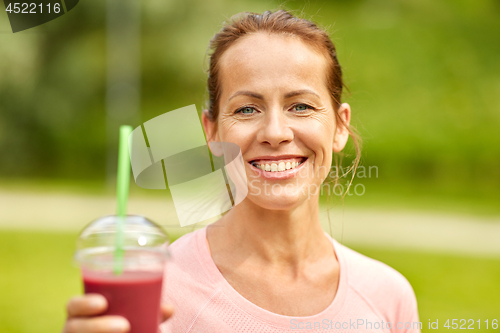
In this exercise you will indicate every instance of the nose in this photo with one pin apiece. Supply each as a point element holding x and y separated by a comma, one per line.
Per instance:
<point>275,130</point>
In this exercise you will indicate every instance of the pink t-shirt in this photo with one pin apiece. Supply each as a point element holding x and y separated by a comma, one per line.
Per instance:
<point>371,297</point>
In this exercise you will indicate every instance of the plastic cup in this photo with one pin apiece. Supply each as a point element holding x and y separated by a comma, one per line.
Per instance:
<point>134,289</point>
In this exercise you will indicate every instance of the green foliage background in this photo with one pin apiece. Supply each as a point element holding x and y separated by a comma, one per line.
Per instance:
<point>423,78</point>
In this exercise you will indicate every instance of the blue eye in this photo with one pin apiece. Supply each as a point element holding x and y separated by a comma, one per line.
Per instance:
<point>246,110</point>
<point>302,107</point>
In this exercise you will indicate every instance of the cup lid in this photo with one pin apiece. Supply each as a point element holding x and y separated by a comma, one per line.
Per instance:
<point>136,233</point>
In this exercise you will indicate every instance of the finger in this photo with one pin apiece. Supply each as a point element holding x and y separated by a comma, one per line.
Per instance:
<point>87,305</point>
<point>104,324</point>
<point>167,310</point>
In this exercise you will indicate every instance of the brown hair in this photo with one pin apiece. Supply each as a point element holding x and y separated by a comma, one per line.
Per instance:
<point>278,22</point>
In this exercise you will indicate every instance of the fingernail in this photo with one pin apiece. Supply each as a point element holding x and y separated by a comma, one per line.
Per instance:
<point>119,325</point>
<point>97,303</point>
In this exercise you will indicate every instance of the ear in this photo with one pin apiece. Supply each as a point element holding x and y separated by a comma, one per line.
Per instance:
<point>209,127</point>
<point>341,133</point>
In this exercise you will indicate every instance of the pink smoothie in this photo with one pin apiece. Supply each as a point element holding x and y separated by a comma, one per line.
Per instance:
<point>133,295</point>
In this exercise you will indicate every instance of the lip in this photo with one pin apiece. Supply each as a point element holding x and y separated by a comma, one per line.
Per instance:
<point>277,174</point>
<point>275,157</point>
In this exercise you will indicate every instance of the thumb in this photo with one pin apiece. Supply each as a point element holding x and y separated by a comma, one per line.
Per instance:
<point>167,310</point>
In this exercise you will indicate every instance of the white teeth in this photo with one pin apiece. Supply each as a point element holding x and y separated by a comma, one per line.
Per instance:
<point>278,167</point>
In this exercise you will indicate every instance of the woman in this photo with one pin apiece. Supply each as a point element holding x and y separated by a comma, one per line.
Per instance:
<point>267,266</point>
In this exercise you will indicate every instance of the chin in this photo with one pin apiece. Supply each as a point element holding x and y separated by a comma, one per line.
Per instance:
<point>278,201</point>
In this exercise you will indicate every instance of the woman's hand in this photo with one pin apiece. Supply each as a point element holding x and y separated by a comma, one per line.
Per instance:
<point>82,312</point>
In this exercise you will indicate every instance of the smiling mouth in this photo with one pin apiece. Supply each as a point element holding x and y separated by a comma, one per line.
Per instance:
<point>278,165</point>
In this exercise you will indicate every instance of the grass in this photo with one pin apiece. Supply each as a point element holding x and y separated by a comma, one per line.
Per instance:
<point>38,278</point>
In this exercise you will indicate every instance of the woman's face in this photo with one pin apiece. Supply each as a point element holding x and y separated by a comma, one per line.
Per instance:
<point>276,107</point>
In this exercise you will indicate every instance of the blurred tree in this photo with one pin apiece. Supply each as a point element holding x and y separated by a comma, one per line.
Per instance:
<point>423,75</point>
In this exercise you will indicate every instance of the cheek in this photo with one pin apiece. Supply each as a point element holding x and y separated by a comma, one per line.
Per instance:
<point>316,136</point>
<point>235,132</point>
<point>226,129</point>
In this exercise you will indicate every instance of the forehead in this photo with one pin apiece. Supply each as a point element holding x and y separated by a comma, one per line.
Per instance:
<point>264,61</point>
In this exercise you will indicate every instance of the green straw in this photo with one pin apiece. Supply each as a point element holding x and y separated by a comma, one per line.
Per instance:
<point>122,186</point>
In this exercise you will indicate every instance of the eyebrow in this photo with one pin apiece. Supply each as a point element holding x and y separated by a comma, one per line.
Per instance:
<point>259,96</point>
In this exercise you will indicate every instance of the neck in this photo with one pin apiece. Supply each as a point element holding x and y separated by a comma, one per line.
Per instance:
<point>278,237</point>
